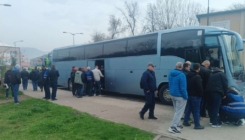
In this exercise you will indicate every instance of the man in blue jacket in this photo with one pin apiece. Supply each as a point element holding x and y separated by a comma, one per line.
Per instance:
<point>148,82</point>
<point>178,92</point>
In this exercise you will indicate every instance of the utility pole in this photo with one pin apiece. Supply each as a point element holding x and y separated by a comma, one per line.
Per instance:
<point>208,15</point>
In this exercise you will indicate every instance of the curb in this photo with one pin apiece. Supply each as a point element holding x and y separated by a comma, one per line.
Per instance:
<point>157,137</point>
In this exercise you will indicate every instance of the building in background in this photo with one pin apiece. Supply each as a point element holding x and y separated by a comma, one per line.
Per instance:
<point>9,55</point>
<point>24,61</point>
<point>231,20</point>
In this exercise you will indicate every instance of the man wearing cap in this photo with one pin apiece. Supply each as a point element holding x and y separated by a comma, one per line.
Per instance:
<point>15,79</point>
<point>148,84</point>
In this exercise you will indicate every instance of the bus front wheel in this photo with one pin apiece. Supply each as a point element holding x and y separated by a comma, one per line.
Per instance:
<point>164,95</point>
<point>69,85</point>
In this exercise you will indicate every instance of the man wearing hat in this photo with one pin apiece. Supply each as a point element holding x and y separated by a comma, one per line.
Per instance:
<point>148,84</point>
<point>15,79</point>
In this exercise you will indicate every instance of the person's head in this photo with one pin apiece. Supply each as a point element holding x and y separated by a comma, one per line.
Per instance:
<point>206,63</point>
<point>188,62</point>
<point>179,66</point>
<point>187,66</point>
<point>53,66</point>
<point>196,67</point>
<point>150,66</point>
<point>88,68</point>
<point>73,68</point>
<point>96,67</point>
<point>79,69</point>
<point>17,66</point>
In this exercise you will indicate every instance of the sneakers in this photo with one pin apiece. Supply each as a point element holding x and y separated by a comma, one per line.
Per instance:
<point>216,126</point>
<point>239,122</point>
<point>174,130</point>
<point>186,124</point>
<point>17,103</point>
<point>180,127</point>
<point>153,118</point>
<point>199,127</point>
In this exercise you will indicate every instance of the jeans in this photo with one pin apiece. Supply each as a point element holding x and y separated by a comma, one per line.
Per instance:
<point>213,107</point>
<point>74,89</point>
<point>53,85</point>
<point>79,89</point>
<point>82,90</point>
<point>230,117</point>
<point>203,105</point>
<point>24,83</point>
<point>15,88</point>
<point>89,87</point>
<point>97,86</point>
<point>179,104</point>
<point>34,84</point>
<point>149,103</point>
<point>46,90</point>
<point>193,105</point>
<point>7,90</point>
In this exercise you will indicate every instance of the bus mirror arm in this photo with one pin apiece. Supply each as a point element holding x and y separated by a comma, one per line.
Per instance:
<point>239,41</point>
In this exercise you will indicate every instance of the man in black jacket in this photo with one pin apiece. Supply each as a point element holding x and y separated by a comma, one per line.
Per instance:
<point>217,90</point>
<point>54,74</point>
<point>24,77</point>
<point>195,92</point>
<point>34,78</point>
<point>72,77</point>
<point>15,79</point>
<point>7,81</point>
<point>46,82</point>
<point>148,82</point>
<point>204,73</point>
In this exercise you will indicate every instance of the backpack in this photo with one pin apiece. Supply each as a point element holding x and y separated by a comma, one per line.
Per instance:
<point>88,76</point>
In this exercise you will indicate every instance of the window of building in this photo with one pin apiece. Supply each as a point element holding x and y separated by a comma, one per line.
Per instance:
<point>144,45</point>
<point>64,55</point>
<point>115,49</point>
<point>182,44</point>
<point>94,51</point>
<point>77,53</point>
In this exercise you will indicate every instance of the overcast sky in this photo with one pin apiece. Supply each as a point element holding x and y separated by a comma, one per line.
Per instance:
<point>40,23</point>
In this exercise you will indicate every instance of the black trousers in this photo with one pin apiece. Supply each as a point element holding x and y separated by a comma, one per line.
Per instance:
<point>47,90</point>
<point>74,88</point>
<point>149,103</point>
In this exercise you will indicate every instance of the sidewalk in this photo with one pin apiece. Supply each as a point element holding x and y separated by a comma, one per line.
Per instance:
<point>126,112</point>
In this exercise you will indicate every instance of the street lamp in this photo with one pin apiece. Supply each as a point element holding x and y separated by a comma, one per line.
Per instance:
<point>17,41</point>
<point>6,5</point>
<point>208,14</point>
<point>73,34</point>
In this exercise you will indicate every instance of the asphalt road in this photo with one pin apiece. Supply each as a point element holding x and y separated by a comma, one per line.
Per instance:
<point>125,109</point>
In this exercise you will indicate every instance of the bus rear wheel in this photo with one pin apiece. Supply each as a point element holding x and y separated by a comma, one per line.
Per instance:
<point>69,85</point>
<point>164,95</point>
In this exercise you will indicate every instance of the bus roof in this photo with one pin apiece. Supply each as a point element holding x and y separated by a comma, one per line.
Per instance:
<point>206,28</point>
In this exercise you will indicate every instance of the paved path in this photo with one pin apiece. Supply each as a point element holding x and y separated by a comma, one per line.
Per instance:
<point>125,111</point>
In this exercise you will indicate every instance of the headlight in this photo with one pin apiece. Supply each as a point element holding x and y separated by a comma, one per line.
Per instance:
<point>236,90</point>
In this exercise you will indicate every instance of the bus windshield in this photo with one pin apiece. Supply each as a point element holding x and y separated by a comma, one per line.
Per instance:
<point>235,64</point>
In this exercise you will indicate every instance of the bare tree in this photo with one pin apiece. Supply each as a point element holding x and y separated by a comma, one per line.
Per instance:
<point>115,27</point>
<point>98,36</point>
<point>237,6</point>
<point>150,19</point>
<point>130,14</point>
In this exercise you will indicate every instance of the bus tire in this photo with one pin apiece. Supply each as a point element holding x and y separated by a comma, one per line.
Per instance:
<point>164,95</point>
<point>69,85</point>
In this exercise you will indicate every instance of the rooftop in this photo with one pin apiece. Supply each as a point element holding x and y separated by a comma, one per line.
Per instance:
<point>221,13</point>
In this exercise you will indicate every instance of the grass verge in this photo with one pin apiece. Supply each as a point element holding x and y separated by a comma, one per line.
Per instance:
<point>36,119</point>
<point>3,95</point>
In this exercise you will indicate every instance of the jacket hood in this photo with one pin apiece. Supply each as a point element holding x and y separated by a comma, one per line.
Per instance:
<point>175,72</point>
<point>191,74</point>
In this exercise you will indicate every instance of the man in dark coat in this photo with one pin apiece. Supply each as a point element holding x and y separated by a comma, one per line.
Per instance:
<point>148,82</point>
<point>15,79</point>
<point>46,82</point>
<point>34,78</point>
<point>204,73</point>
<point>7,81</point>
<point>217,90</point>
<point>24,77</point>
<point>195,91</point>
<point>54,74</point>
<point>72,77</point>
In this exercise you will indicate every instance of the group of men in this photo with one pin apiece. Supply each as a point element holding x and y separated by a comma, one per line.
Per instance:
<point>194,88</point>
<point>85,80</point>
<point>44,78</point>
